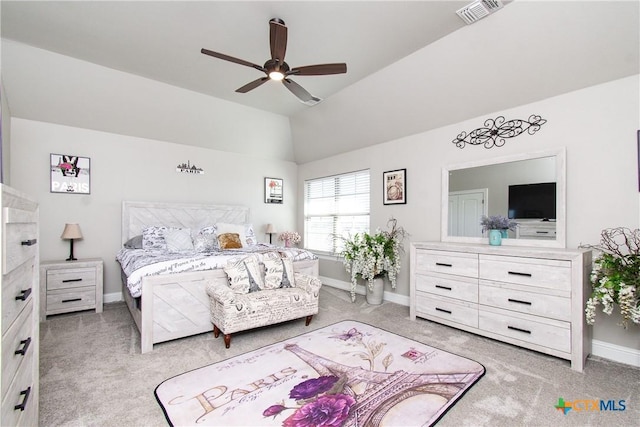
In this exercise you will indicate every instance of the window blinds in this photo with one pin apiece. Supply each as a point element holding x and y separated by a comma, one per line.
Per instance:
<point>335,206</point>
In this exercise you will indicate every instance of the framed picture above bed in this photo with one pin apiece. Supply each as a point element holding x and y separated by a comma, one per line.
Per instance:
<point>273,190</point>
<point>70,174</point>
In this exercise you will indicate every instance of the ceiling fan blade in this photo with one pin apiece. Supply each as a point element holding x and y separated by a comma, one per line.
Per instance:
<point>298,90</point>
<point>318,70</point>
<point>252,85</point>
<point>278,39</point>
<point>232,59</point>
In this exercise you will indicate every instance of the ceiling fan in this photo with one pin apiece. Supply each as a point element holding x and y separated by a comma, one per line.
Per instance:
<point>277,69</point>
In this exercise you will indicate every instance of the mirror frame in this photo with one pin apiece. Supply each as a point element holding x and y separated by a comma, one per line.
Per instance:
<point>561,208</point>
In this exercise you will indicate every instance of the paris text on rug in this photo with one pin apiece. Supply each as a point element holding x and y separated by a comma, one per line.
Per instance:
<point>346,374</point>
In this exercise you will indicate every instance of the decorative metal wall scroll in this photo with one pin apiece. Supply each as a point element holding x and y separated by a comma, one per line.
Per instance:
<point>497,130</point>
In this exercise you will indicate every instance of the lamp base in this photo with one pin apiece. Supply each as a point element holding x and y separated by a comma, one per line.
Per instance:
<point>71,258</point>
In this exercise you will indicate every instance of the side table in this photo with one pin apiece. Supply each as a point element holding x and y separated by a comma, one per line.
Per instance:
<point>67,286</point>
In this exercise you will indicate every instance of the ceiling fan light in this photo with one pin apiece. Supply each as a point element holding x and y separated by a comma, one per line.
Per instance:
<point>276,75</point>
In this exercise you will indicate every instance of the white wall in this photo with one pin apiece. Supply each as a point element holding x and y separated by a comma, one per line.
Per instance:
<point>6,135</point>
<point>597,126</point>
<point>130,168</point>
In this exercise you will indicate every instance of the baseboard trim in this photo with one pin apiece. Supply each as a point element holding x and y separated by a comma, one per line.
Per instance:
<point>113,297</point>
<point>602,349</point>
<point>615,352</point>
<point>346,286</point>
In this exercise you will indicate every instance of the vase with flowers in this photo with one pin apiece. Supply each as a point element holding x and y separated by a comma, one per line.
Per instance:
<point>615,278</point>
<point>289,238</point>
<point>498,227</point>
<point>374,256</point>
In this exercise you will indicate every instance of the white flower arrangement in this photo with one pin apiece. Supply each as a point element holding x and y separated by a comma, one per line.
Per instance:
<point>616,275</point>
<point>369,256</point>
<point>290,236</point>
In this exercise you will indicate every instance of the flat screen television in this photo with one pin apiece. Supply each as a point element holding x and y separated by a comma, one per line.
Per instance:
<point>533,201</point>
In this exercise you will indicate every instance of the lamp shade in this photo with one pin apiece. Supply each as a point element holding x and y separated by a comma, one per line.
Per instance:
<point>71,231</point>
<point>271,229</point>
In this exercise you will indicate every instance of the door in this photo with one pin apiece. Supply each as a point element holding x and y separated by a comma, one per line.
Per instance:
<point>465,210</point>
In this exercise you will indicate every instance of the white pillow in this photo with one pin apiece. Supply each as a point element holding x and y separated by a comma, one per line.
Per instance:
<point>178,240</point>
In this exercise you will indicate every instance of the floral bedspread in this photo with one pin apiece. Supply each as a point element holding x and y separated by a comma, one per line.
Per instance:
<point>138,263</point>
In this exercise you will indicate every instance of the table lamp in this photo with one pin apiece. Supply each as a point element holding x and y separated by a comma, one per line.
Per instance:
<point>71,232</point>
<point>271,230</point>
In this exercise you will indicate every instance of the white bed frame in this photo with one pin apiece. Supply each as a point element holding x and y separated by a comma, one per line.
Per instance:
<point>179,304</point>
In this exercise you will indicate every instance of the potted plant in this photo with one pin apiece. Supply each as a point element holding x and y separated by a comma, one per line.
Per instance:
<point>498,227</point>
<point>290,238</point>
<point>374,256</point>
<point>615,278</point>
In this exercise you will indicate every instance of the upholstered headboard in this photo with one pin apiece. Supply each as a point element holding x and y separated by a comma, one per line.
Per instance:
<point>138,215</point>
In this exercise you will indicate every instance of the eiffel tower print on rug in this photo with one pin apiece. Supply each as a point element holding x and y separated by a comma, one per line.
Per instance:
<point>347,374</point>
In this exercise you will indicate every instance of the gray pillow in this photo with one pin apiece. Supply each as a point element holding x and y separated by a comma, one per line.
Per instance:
<point>134,243</point>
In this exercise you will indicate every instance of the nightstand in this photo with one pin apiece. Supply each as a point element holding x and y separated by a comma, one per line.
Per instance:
<point>67,286</point>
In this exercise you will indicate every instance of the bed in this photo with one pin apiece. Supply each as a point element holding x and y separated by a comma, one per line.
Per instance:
<point>168,300</point>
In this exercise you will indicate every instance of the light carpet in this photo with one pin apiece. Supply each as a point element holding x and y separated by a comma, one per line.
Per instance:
<point>346,374</point>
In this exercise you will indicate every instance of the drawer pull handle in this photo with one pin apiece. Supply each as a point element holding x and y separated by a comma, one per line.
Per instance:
<point>29,242</point>
<point>443,287</point>
<point>443,264</point>
<point>24,294</point>
<point>542,232</point>
<point>519,301</point>
<point>72,300</point>
<point>443,310</point>
<point>25,345</point>
<point>23,405</point>
<point>517,273</point>
<point>71,280</point>
<point>518,329</point>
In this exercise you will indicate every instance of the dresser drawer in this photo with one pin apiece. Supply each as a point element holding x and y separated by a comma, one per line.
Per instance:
<point>447,309</point>
<point>17,339</point>
<point>71,278</point>
<point>65,300</point>
<point>462,288</point>
<point>535,303</point>
<point>543,332</point>
<point>22,391</point>
<point>17,292</point>
<point>554,274</point>
<point>20,238</point>
<point>456,263</point>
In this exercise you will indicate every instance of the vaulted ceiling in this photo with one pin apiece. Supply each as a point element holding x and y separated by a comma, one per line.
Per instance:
<point>412,65</point>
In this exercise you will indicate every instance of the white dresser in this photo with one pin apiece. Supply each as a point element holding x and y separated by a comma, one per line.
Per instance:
<point>530,297</point>
<point>20,297</point>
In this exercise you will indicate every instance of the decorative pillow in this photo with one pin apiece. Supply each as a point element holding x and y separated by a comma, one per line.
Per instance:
<point>278,273</point>
<point>205,243</point>
<point>153,238</point>
<point>250,235</point>
<point>223,228</point>
<point>134,243</point>
<point>244,275</point>
<point>211,229</point>
<point>178,240</point>
<point>229,241</point>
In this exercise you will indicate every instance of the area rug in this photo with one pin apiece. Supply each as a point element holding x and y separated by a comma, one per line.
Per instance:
<point>345,374</point>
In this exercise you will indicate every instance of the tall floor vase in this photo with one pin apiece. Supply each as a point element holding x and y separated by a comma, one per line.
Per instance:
<point>375,295</point>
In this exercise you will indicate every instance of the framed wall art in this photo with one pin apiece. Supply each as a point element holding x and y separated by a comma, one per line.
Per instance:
<point>273,190</point>
<point>70,174</point>
<point>395,187</point>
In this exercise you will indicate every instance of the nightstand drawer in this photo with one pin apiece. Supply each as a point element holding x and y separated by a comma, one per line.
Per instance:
<point>65,300</point>
<point>71,278</point>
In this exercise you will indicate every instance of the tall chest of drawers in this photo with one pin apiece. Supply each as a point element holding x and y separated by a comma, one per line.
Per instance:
<point>19,293</point>
<point>530,297</point>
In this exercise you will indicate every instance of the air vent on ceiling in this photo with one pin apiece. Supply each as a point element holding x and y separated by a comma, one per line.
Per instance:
<point>478,10</point>
<point>313,101</point>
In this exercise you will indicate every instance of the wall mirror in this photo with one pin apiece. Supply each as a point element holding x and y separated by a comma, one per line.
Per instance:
<point>528,187</point>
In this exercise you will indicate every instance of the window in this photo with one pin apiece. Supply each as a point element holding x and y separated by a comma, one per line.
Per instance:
<point>335,206</point>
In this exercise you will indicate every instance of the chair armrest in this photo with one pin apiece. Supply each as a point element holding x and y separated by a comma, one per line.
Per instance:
<point>306,282</point>
<point>221,292</point>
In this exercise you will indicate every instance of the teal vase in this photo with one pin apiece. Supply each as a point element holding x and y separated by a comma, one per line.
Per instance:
<point>504,233</point>
<point>495,237</point>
